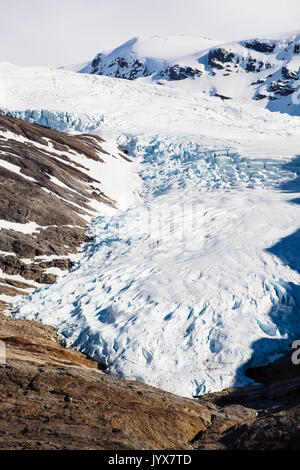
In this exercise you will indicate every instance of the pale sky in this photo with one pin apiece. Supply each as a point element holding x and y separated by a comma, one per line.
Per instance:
<point>48,32</point>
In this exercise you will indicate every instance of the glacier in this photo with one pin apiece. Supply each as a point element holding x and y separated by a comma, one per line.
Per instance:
<point>198,277</point>
<point>181,309</point>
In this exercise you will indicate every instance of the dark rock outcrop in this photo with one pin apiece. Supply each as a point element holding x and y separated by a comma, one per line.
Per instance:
<point>289,74</point>
<point>281,87</point>
<point>260,96</point>
<point>260,46</point>
<point>218,57</point>
<point>12,265</point>
<point>177,72</point>
<point>223,98</point>
<point>129,68</point>
<point>258,82</point>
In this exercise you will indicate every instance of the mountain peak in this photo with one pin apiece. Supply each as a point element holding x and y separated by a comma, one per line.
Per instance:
<point>265,70</point>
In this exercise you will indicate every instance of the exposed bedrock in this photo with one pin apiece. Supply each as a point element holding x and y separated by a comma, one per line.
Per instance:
<point>47,194</point>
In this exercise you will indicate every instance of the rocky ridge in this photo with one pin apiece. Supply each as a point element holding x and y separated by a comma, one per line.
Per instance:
<point>49,189</point>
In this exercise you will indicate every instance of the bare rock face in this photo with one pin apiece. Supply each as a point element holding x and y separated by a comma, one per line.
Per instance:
<point>56,398</point>
<point>45,184</point>
<point>12,265</point>
<point>128,68</point>
<point>260,46</point>
<point>276,403</point>
<point>218,57</point>
<point>281,87</point>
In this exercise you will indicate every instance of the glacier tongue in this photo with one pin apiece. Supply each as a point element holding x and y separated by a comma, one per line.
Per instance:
<point>182,291</point>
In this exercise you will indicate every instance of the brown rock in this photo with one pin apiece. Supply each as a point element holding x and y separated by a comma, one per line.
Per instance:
<point>51,189</point>
<point>55,398</point>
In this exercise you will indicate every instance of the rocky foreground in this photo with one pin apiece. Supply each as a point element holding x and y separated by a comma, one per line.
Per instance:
<point>55,398</point>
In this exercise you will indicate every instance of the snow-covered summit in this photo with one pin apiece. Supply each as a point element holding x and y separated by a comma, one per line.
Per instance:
<point>265,70</point>
<point>141,57</point>
<point>166,48</point>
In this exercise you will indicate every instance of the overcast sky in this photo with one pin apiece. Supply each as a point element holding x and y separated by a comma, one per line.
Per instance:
<point>59,32</point>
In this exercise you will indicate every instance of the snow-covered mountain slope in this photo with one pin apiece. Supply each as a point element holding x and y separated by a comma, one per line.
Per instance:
<point>141,57</point>
<point>184,288</point>
<point>263,70</point>
<point>64,100</point>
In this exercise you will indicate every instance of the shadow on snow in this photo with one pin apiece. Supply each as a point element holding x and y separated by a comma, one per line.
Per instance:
<point>288,251</point>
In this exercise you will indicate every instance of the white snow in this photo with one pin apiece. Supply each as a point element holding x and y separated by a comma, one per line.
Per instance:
<point>168,48</point>
<point>183,287</point>
<point>17,277</point>
<point>77,102</point>
<point>15,169</point>
<point>155,52</point>
<point>28,227</point>
<point>56,271</point>
<point>8,298</point>
<point>248,75</point>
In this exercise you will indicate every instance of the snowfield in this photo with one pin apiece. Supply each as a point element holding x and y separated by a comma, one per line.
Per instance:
<point>199,276</point>
<point>264,71</point>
